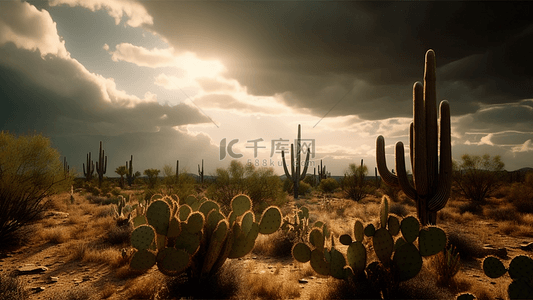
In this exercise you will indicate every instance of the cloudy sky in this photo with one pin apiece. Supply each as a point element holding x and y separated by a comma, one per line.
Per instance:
<point>169,80</point>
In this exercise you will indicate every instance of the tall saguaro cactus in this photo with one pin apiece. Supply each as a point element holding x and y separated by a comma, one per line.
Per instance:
<point>90,168</point>
<point>295,174</point>
<point>432,178</point>
<point>129,176</point>
<point>201,172</point>
<point>101,165</point>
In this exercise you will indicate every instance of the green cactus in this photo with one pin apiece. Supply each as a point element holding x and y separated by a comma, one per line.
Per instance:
<point>101,165</point>
<point>201,172</point>
<point>398,260</point>
<point>90,168</point>
<point>130,175</point>
<point>432,179</point>
<point>295,176</point>
<point>195,237</point>
<point>520,270</point>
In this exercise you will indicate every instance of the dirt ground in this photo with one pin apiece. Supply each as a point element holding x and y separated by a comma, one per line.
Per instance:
<point>62,275</point>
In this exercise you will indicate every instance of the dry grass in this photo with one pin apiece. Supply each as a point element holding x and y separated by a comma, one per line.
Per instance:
<point>278,244</point>
<point>12,288</point>
<point>264,285</point>
<point>56,235</point>
<point>145,287</point>
<point>107,291</point>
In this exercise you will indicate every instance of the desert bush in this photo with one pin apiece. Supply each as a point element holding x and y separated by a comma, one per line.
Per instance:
<point>151,179</point>
<point>521,194</point>
<point>446,265</point>
<point>478,176</point>
<point>468,247</point>
<point>328,185</point>
<point>398,209</point>
<point>503,214</point>
<point>354,185</point>
<point>261,184</point>
<point>11,288</point>
<point>118,235</point>
<point>184,186</point>
<point>30,171</point>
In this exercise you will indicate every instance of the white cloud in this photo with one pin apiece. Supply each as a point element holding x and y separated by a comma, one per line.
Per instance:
<point>135,13</point>
<point>29,28</point>
<point>525,147</point>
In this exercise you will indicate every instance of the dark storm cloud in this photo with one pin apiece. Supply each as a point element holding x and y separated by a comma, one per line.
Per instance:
<point>57,96</point>
<point>303,48</point>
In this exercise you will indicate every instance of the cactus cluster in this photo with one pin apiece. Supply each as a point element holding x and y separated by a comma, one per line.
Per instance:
<point>295,175</point>
<point>298,225</point>
<point>431,178</point>
<point>521,272</point>
<point>194,235</point>
<point>393,242</point>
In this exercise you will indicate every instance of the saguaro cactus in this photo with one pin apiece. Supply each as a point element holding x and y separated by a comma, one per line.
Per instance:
<point>295,174</point>
<point>129,176</point>
<point>201,172</point>
<point>101,165</point>
<point>66,167</point>
<point>90,168</point>
<point>432,181</point>
<point>177,171</point>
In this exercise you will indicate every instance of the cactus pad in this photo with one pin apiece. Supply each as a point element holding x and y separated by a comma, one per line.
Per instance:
<point>316,238</point>
<point>172,261</point>
<point>521,267</point>
<point>520,289</point>
<point>142,237</point>
<point>318,263</point>
<point>158,215</point>
<point>410,228</point>
<point>195,222</point>
<point>270,220</point>
<point>393,224</point>
<point>188,242</point>
<point>465,296</point>
<point>358,230</point>
<point>431,241</point>
<point>215,245</point>
<point>384,212</point>
<point>408,261</point>
<point>370,230</point>
<point>301,252</point>
<point>356,257</point>
<point>241,204</point>
<point>174,228</point>
<point>184,211</point>
<point>345,239</point>
<point>207,206</point>
<point>383,245</point>
<point>493,267</point>
<point>247,221</point>
<point>142,260</point>
<point>337,264</point>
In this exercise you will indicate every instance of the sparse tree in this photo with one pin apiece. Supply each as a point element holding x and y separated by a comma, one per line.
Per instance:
<point>477,176</point>
<point>353,183</point>
<point>121,170</point>
<point>30,171</point>
<point>152,177</point>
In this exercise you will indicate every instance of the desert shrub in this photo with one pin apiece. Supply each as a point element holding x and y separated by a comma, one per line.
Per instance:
<point>184,186</point>
<point>261,184</point>
<point>328,185</point>
<point>478,176</point>
<point>503,214</point>
<point>11,288</point>
<point>354,185</point>
<point>30,172</point>
<point>398,209</point>
<point>446,265</point>
<point>391,191</point>
<point>471,207</point>
<point>151,177</point>
<point>304,188</point>
<point>521,194</point>
<point>468,247</point>
<point>148,193</point>
<point>118,235</point>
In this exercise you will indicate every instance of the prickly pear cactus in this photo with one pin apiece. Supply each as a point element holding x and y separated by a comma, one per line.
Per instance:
<point>194,235</point>
<point>399,258</point>
<point>520,270</point>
